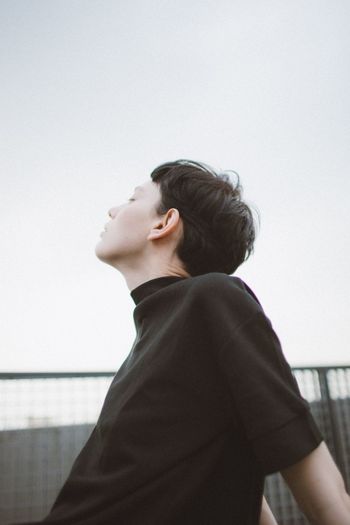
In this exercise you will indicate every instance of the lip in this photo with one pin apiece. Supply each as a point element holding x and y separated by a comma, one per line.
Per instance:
<point>105,229</point>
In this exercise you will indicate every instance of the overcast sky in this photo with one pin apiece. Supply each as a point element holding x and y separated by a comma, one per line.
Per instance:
<point>95,94</point>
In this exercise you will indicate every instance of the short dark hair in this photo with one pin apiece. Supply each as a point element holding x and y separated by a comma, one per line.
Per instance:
<point>218,227</point>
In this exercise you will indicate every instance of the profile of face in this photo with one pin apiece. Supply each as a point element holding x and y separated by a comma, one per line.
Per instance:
<point>133,224</point>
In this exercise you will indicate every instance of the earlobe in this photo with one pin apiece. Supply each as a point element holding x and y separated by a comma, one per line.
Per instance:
<point>156,232</point>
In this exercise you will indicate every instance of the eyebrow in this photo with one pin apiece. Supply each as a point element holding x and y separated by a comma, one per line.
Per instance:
<point>138,188</point>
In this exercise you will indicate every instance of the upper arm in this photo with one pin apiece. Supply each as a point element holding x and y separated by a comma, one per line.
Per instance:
<point>267,404</point>
<point>315,482</point>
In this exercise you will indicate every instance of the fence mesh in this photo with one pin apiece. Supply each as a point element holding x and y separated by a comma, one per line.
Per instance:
<point>45,419</point>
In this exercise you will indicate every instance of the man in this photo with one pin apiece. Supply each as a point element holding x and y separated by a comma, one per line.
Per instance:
<point>205,404</point>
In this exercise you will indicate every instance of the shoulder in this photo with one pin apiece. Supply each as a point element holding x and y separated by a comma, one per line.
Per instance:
<point>220,285</point>
<point>222,295</point>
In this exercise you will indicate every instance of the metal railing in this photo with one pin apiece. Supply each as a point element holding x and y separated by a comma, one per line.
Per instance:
<point>327,389</point>
<point>46,418</point>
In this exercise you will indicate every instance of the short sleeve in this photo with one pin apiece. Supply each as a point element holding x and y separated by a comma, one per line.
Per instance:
<point>270,410</point>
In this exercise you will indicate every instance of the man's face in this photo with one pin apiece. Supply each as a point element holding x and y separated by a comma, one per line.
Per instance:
<point>125,238</point>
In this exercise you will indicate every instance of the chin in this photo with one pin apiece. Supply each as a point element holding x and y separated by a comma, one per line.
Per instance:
<point>100,252</point>
<point>103,253</point>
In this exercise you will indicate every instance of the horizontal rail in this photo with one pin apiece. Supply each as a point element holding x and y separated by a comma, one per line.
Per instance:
<point>43,375</point>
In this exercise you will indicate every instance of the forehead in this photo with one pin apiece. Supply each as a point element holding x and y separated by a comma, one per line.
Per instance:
<point>147,188</point>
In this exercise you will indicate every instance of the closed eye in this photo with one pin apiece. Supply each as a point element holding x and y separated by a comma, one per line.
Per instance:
<point>131,199</point>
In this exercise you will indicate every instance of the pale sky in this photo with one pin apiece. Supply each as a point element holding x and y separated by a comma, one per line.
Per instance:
<point>94,95</point>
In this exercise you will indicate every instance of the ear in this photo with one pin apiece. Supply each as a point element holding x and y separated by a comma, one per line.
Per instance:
<point>165,226</point>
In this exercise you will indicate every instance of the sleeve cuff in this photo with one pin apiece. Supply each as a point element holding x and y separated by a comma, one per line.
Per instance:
<point>288,444</point>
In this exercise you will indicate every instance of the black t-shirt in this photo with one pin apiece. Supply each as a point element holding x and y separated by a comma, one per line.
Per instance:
<point>202,409</point>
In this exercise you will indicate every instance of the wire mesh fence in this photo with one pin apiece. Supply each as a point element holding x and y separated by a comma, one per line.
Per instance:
<point>327,390</point>
<point>46,418</point>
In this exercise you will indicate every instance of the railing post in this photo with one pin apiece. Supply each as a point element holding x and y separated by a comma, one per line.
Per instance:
<point>334,430</point>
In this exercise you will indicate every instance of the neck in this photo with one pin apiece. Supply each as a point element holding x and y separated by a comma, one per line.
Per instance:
<point>136,278</point>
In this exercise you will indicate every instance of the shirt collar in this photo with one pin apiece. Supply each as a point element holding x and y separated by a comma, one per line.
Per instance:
<point>152,285</point>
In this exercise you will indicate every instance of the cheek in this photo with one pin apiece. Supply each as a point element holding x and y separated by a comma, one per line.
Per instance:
<point>129,226</point>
